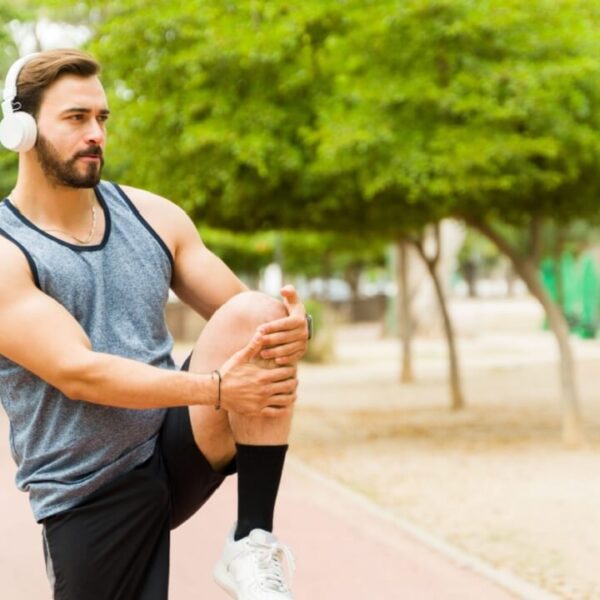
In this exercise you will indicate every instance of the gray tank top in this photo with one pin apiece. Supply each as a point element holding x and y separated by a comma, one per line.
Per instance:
<point>117,291</point>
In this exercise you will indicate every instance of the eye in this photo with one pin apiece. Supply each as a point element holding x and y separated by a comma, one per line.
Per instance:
<point>76,117</point>
<point>103,118</point>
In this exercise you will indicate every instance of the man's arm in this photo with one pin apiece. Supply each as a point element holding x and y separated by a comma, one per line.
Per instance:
<point>42,336</point>
<point>205,282</point>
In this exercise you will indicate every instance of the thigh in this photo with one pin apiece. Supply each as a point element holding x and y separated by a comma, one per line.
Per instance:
<point>115,545</point>
<point>192,480</point>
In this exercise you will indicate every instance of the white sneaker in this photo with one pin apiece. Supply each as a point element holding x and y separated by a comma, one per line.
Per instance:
<point>251,568</point>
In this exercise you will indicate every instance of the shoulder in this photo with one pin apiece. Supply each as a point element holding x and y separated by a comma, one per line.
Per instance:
<point>168,219</point>
<point>14,265</point>
<point>149,203</point>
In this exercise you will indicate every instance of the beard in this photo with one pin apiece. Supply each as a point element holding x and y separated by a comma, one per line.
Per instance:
<point>66,172</point>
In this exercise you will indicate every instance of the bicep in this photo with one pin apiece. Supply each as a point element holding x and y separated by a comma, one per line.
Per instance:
<point>201,279</point>
<point>38,333</point>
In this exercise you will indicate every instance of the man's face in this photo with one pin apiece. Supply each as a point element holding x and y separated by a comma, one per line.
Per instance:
<point>72,131</point>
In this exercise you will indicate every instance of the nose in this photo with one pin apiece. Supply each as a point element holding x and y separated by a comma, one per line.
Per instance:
<point>95,133</point>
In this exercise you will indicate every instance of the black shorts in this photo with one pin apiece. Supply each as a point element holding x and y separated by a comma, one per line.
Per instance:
<point>115,544</point>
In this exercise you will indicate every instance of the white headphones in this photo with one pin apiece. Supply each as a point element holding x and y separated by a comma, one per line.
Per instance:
<point>18,130</point>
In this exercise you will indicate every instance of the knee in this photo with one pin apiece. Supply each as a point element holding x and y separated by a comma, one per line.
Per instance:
<point>253,308</point>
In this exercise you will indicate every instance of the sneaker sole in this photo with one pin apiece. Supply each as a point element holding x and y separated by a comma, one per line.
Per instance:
<point>224,580</point>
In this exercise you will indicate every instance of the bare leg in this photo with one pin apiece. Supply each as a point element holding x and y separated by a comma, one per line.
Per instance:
<point>229,330</point>
<point>260,444</point>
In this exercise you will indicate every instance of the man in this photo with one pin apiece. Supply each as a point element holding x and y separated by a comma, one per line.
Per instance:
<point>114,445</point>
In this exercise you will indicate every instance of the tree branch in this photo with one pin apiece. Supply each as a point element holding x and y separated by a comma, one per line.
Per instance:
<point>535,229</point>
<point>438,243</point>
<point>488,231</point>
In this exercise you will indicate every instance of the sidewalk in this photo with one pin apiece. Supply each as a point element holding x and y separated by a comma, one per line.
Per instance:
<point>341,550</point>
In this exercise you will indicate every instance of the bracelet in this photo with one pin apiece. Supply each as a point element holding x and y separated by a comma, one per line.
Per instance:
<point>218,402</point>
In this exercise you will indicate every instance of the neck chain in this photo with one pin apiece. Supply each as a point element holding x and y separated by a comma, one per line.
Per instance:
<point>90,235</point>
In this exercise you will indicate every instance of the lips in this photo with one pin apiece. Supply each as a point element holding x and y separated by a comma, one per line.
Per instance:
<point>93,152</point>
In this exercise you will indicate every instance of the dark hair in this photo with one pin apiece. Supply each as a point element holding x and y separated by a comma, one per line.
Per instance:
<point>43,70</point>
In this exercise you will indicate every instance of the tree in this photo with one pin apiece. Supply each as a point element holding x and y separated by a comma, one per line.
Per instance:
<point>325,255</point>
<point>488,110</point>
<point>228,99</point>
<point>246,254</point>
<point>382,117</point>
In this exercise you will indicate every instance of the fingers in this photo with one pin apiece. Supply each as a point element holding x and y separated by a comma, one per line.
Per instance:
<point>283,350</point>
<point>291,300</point>
<point>275,374</point>
<point>284,337</point>
<point>281,388</point>
<point>285,324</point>
<point>292,359</point>
<point>252,348</point>
<point>249,388</point>
<point>290,296</point>
<point>279,405</point>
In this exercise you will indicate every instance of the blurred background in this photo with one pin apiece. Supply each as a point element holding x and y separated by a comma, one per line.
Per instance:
<point>426,172</point>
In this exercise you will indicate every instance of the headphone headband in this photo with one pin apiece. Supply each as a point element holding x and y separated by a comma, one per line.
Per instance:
<point>10,84</point>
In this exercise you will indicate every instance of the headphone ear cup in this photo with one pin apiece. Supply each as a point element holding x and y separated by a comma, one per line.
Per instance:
<point>18,132</point>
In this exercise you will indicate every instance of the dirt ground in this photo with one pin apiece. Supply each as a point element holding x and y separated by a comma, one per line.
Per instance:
<point>493,479</point>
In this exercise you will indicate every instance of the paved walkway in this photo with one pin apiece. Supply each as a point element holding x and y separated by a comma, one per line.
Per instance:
<point>341,549</point>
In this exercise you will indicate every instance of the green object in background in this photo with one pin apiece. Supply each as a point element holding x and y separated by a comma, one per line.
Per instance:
<point>590,298</point>
<point>570,290</point>
<point>548,276</point>
<point>577,291</point>
<point>548,273</point>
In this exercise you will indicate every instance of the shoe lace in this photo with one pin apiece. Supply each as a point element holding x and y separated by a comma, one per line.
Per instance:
<point>269,565</point>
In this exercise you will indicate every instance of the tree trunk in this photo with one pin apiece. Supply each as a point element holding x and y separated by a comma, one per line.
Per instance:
<point>526,267</point>
<point>559,248</point>
<point>457,398</point>
<point>404,315</point>
<point>326,272</point>
<point>510,281</point>
<point>573,432</point>
<point>458,401</point>
<point>469,272</point>
<point>352,277</point>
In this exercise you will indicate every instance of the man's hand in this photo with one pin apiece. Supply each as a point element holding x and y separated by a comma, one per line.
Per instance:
<point>285,340</point>
<point>251,390</point>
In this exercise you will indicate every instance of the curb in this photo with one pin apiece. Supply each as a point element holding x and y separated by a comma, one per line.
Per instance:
<point>504,579</point>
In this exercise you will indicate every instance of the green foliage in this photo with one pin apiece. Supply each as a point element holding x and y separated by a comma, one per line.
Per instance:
<point>9,10</point>
<point>243,253</point>
<point>465,107</point>
<point>477,251</point>
<point>8,171</point>
<point>308,254</point>
<point>329,254</point>
<point>353,116</point>
<point>213,100</point>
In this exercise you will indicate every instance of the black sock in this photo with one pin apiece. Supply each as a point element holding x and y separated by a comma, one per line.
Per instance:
<point>259,473</point>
